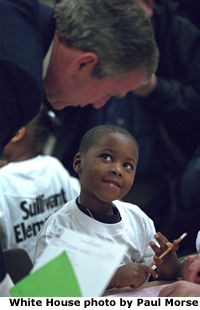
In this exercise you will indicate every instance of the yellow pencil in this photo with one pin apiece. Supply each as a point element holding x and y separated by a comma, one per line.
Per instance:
<point>169,248</point>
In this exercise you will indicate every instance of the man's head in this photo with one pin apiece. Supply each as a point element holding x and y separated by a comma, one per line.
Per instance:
<point>106,163</point>
<point>99,45</point>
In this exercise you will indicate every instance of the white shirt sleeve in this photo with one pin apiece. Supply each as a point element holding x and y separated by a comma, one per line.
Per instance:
<point>5,286</point>
<point>198,242</point>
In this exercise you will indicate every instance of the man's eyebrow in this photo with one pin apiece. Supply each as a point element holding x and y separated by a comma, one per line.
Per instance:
<point>119,96</point>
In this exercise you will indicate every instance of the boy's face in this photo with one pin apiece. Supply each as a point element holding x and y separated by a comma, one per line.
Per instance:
<point>108,169</point>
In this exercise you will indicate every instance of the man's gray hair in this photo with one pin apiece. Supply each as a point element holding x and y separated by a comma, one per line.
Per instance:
<point>117,31</point>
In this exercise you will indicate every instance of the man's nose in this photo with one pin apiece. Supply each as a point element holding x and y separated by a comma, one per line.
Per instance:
<point>100,103</point>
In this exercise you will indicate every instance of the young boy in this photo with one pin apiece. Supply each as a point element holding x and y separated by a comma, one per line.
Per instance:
<point>106,164</point>
<point>32,185</point>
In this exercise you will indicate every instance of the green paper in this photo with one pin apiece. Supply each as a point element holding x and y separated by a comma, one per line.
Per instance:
<point>55,279</point>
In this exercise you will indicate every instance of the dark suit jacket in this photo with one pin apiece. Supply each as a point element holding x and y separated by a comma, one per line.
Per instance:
<point>3,269</point>
<point>26,30</point>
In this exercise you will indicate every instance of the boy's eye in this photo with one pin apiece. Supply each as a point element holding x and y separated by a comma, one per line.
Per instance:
<point>106,157</point>
<point>128,166</point>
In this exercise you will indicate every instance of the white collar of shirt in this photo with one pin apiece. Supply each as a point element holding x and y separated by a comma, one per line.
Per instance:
<point>47,60</point>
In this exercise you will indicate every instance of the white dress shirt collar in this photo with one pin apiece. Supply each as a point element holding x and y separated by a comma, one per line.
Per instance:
<point>47,60</point>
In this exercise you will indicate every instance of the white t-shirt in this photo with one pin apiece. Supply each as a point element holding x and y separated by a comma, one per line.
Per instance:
<point>5,286</point>
<point>135,229</point>
<point>198,242</point>
<point>30,191</point>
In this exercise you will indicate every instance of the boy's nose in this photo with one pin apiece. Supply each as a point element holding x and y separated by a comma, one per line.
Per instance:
<point>117,169</point>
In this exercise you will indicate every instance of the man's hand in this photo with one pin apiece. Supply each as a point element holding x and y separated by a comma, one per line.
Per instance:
<point>190,268</point>
<point>181,289</point>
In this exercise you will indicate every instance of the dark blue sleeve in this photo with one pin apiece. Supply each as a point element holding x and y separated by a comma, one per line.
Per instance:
<point>21,55</point>
<point>176,98</point>
<point>3,269</point>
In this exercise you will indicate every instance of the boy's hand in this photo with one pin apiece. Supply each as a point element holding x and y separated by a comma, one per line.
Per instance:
<point>164,244</point>
<point>132,274</point>
<point>168,264</point>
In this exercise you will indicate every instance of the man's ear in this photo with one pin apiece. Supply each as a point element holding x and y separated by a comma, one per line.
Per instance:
<point>19,135</point>
<point>77,163</point>
<point>84,62</point>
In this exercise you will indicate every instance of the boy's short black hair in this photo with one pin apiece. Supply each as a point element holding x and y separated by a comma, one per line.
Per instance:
<point>92,136</point>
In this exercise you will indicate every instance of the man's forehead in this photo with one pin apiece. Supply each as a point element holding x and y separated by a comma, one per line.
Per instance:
<point>129,82</point>
<point>146,5</point>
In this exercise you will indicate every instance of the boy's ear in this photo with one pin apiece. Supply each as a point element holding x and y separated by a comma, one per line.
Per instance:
<point>19,135</point>
<point>77,163</point>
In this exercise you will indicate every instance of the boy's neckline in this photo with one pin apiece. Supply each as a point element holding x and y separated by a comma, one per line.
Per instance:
<point>104,218</point>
